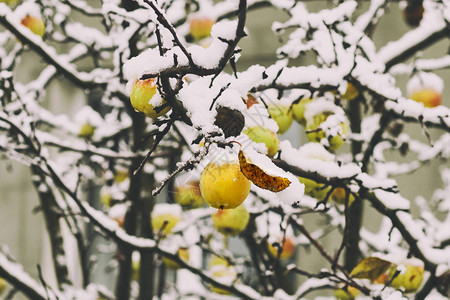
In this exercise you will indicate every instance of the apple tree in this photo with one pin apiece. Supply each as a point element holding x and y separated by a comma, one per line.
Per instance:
<point>179,162</point>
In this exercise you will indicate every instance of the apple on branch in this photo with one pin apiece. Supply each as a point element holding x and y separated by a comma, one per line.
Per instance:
<point>188,195</point>
<point>287,248</point>
<point>298,110</point>
<point>30,16</point>
<point>426,88</point>
<point>145,98</point>
<point>410,275</point>
<point>222,183</point>
<point>326,124</point>
<point>260,134</point>
<point>165,217</point>
<point>282,115</point>
<point>200,27</point>
<point>231,221</point>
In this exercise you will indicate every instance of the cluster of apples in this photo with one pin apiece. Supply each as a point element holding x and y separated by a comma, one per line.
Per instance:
<point>409,278</point>
<point>324,120</point>
<point>406,276</point>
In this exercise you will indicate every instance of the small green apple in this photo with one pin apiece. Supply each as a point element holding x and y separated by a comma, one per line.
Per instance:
<point>223,185</point>
<point>142,92</point>
<point>429,97</point>
<point>165,217</point>
<point>298,110</point>
<point>36,25</point>
<point>282,115</point>
<point>259,134</point>
<point>286,253</point>
<point>183,254</point>
<point>189,196</point>
<point>200,28</point>
<point>314,189</point>
<point>231,221</point>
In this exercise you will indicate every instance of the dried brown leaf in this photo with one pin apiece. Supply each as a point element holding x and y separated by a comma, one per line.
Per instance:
<point>261,178</point>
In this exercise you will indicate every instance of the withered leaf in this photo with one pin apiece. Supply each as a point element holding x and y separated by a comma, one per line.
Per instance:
<point>371,268</point>
<point>260,178</point>
<point>251,100</point>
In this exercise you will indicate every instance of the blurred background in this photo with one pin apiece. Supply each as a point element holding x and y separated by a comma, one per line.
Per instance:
<point>23,230</point>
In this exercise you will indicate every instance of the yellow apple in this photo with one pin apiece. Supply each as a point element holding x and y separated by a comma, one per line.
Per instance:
<point>429,97</point>
<point>183,254</point>
<point>287,252</point>
<point>188,195</point>
<point>409,279</point>
<point>224,185</point>
<point>142,93</point>
<point>259,134</point>
<point>165,217</point>
<point>338,195</point>
<point>200,28</point>
<point>282,115</point>
<point>231,221</point>
<point>36,25</point>
<point>298,110</point>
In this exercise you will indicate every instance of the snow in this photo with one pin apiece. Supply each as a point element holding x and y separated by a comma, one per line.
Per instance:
<point>328,169</point>
<point>167,209</point>
<point>16,270</point>
<point>431,23</point>
<point>27,8</point>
